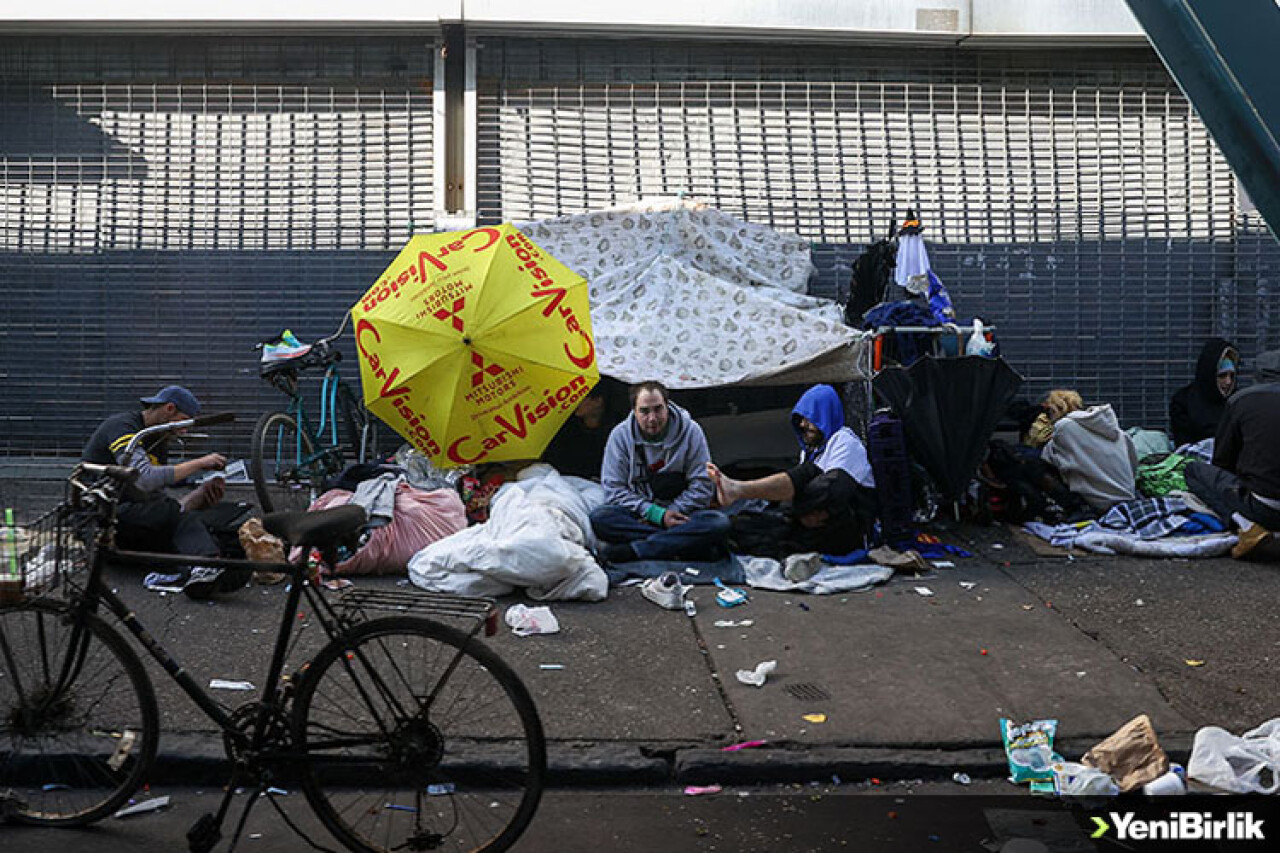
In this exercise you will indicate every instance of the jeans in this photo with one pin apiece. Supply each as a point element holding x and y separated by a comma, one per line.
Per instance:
<point>702,537</point>
<point>159,524</point>
<point>1225,494</point>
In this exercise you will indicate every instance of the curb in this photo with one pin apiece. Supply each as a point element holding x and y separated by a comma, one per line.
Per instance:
<point>199,759</point>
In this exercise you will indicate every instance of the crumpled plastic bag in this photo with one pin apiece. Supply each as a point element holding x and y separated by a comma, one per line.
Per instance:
<point>259,545</point>
<point>1247,764</point>
<point>1132,756</point>
<point>1079,780</point>
<point>756,677</point>
<point>527,621</point>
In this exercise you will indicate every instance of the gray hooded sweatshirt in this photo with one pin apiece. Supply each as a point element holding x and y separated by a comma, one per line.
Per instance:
<point>628,466</point>
<point>1094,456</point>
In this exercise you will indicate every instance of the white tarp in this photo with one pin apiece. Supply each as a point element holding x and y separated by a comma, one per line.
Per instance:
<point>694,298</point>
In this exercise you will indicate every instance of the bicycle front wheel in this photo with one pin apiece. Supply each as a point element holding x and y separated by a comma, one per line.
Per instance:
<point>78,726</point>
<point>287,471</point>
<point>418,738</point>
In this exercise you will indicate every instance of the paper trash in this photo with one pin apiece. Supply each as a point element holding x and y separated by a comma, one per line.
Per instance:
<point>756,677</point>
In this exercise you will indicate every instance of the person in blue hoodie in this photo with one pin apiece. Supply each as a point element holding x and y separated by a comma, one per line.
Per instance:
<point>831,491</point>
<point>656,486</point>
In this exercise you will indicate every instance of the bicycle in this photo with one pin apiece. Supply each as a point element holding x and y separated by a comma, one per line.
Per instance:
<point>402,731</point>
<point>289,459</point>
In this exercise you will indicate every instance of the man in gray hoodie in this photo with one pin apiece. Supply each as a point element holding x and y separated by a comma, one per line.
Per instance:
<point>1244,480</point>
<point>656,487</point>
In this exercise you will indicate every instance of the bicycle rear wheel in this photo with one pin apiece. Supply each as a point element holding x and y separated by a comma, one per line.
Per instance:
<point>420,738</point>
<point>72,749</point>
<point>287,470</point>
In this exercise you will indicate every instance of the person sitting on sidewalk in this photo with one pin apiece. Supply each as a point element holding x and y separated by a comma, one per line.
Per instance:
<point>1243,482</point>
<point>831,489</point>
<point>1195,410</point>
<point>147,519</point>
<point>656,486</point>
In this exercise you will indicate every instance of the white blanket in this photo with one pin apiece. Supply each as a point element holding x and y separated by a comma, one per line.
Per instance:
<point>690,296</point>
<point>766,573</point>
<point>538,537</point>
<point>1108,542</point>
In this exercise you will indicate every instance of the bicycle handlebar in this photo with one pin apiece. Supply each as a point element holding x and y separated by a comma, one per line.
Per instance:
<point>207,420</point>
<point>121,473</point>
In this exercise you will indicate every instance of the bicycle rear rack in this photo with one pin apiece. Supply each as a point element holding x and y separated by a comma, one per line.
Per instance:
<point>358,603</point>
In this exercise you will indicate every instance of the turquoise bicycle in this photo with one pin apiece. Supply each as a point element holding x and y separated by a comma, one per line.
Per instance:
<point>291,456</point>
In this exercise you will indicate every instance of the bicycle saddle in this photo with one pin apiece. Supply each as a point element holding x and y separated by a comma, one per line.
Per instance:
<point>318,529</point>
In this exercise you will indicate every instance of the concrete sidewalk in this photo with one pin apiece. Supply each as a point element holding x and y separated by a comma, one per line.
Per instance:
<point>909,686</point>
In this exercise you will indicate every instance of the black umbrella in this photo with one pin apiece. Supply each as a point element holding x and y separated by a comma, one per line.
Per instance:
<point>949,408</point>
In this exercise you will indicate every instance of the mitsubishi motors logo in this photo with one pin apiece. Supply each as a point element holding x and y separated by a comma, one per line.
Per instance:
<point>451,314</point>
<point>481,369</point>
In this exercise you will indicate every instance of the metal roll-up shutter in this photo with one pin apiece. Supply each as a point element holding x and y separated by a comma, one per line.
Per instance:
<point>166,202</point>
<point>1070,197</point>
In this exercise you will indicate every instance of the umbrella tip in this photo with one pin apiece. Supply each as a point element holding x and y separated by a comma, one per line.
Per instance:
<point>466,340</point>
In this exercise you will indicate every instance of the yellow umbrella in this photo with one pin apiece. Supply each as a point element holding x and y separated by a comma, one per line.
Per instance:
<point>475,345</point>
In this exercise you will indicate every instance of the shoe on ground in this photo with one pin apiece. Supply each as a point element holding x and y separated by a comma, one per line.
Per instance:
<point>800,567</point>
<point>1256,543</point>
<point>204,581</point>
<point>666,591</point>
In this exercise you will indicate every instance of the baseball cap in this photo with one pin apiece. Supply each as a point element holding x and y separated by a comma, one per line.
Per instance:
<point>1226,365</point>
<point>179,396</point>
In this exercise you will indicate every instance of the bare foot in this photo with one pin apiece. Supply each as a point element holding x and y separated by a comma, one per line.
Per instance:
<point>727,490</point>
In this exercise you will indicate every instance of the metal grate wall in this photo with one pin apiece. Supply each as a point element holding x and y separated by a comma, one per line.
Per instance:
<point>165,203</point>
<point>1071,197</point>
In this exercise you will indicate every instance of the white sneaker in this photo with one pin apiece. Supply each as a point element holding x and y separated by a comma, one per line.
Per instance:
<point>800,567</point>
<point>666,591</point>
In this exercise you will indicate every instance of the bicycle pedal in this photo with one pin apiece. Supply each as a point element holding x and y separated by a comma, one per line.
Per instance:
<point>204,834</point>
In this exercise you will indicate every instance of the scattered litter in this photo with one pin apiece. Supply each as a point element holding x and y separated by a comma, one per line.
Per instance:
<point>961,778</point>
<point>527,621</point>
<point>756,677</point>
<point>1079,780</point>
<point>1138,603</point>
<point>804,607</point>
<point>1029,749</point>
<point>983,652</point>
<point>943,564</point>
<point>399,808</point>
<point>1194,662</point>
<point>55,786</point>
<point>690,609</point>
<point>334,584</point>
<point>729,596</point>
<point>279,792</point>
<point>550,666</point>
<point>699,790</point>
<point>152,805</point>
<point>729,623</point>
<point>1168,785</point>
<point>160,582</point>
<point>998,546</point>
<point>1081,674</point>
<point>254,836</point>
<point>815,718</point>
<point>924,590</point>
<point>441,790</point>
<point>224,684</point>
<point>967,584</point>
<point>690,570</point>
<point>118,758</point>
<point>1028,607</point>
<point>750,744</point>
<point>1132,755</point>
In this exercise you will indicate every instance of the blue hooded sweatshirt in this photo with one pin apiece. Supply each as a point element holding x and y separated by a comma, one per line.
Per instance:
<point>841,447</point>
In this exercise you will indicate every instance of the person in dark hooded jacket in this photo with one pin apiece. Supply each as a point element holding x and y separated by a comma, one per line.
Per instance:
<point>1243,482</point>
<point>1196,408</point>
<point>831,490</point>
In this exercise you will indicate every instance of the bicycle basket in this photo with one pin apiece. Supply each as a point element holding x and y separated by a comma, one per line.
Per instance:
<point>49,552</point>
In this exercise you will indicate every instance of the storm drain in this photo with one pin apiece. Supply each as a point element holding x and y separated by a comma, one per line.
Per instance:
<point>808,692</point>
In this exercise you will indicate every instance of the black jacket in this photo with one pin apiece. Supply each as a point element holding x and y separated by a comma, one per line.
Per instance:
<point>1246,443</point>
<point>1196,408</point>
